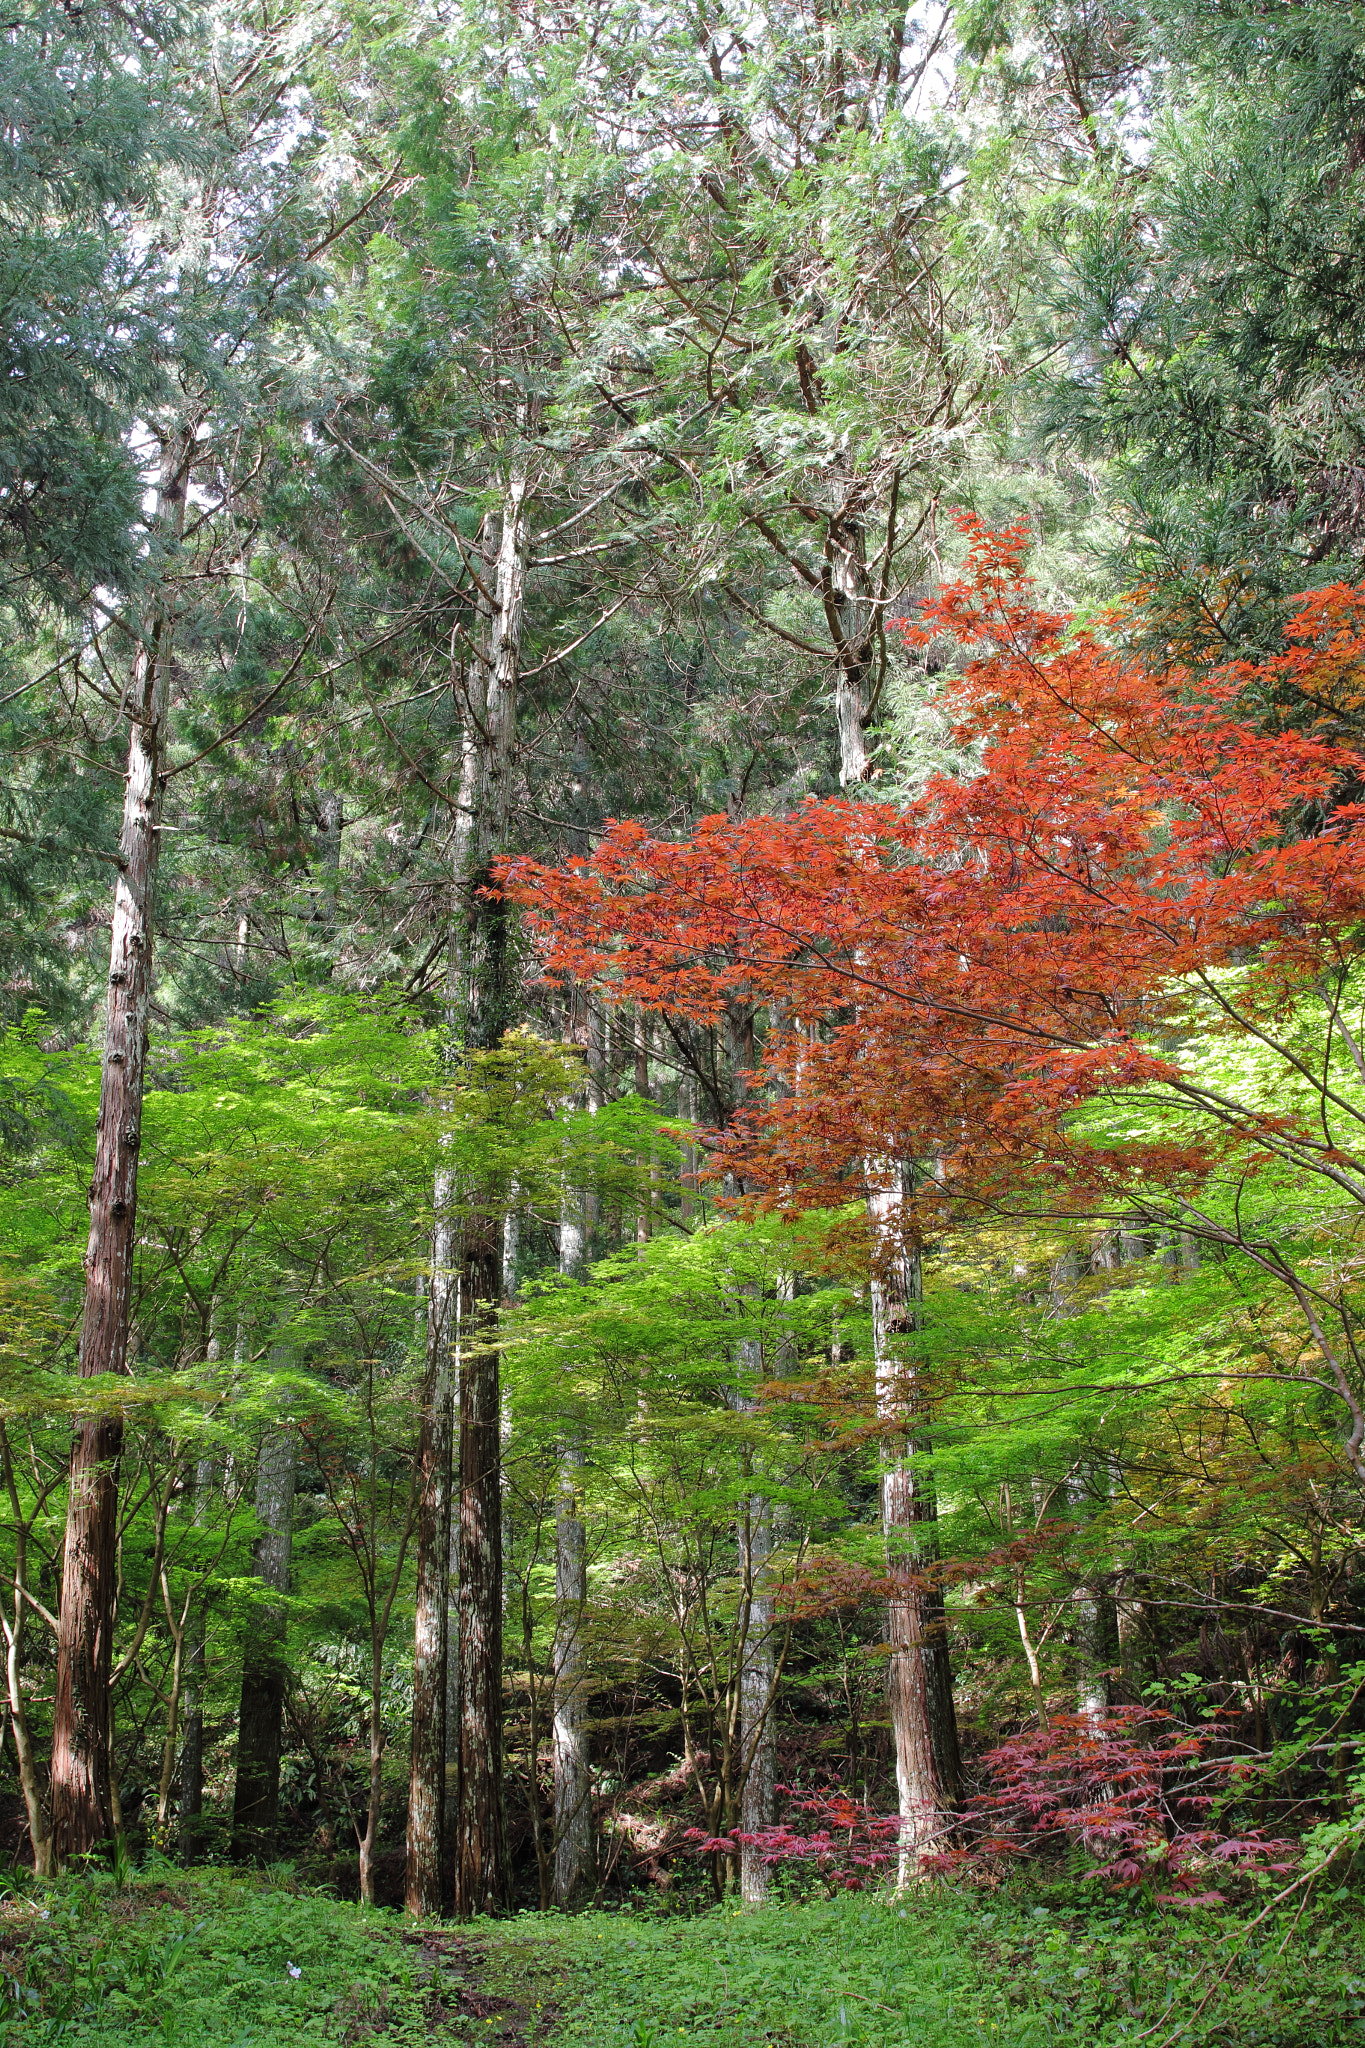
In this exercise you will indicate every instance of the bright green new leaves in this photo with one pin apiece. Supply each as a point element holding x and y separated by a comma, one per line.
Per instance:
<point>283,1160</point>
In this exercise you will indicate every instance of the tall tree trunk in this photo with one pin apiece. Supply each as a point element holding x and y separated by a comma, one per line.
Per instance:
<point>40,1839</point>
<point>757,1720</point>
<point>82,1802</point>
<point>756,1727</point>
<point>851,615</point>
<point>1095,1628</point>
<point>573,1858</point>
<point>209,1474</point>
<point>482,1875</point>
<point>255,1812</point>
<point>206,1471</point>
<point>192,1743</point>
<point>426,1786</point>
<point>170,1742</point>
<point>919,1674</point>
<point>572,1775</point>
<point>758,1706</point>
<point>375,1730</point>
<point>503,661</point>
<point>464,1324</point>
<point>434,1719</point>
<point>39,1833</point>
<point>492,997</point>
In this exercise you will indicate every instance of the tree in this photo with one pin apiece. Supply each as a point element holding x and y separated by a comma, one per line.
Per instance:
<point>804,327</point>
<point>657,1358</point>
<point>94,123</point>
<point>1206,298</point>
<point>239,289</point>
<point>1102,978</point>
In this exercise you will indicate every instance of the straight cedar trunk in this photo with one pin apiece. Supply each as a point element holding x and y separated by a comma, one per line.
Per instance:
<point>757,1687</point>
<point>83,1804</point>
<point>574,1859</point>
<point>450,1831</point>
<point>919,1674</point>
<point>573,1844</point>
<point>481,1869</point>
<point>758,1709</point>
<point>756,1733</point>
<point>256,1801</point>
<point>424,1884</point>
<point>431,1594</point>
<point>477,1853</point>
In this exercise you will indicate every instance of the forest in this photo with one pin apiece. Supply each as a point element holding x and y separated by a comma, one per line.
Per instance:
<point>682,1022</point>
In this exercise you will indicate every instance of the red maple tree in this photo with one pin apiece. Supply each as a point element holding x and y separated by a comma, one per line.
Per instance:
<point>1135,879</point>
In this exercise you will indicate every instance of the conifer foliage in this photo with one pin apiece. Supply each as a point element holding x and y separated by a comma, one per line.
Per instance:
<point>682,1027</point>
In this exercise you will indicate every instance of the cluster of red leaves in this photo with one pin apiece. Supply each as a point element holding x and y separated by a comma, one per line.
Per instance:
<point>834,1585</point>
<point>1132,1787</point>
<point>1009,944</point>
<point>848,1844</point>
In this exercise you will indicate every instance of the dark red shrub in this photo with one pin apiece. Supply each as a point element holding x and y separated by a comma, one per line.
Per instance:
<point>1132,1787</point>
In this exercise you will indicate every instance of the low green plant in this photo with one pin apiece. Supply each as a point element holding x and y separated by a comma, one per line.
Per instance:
<point>221,1958</point>
<point>226,1959</point>
<point>1064,1968</point>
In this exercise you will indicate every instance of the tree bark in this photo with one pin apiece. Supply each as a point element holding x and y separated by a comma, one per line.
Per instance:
<point>192,1743</point>
<point>256,1802</point>
<point>375,1729</point>
<point>919,1674</point>
<point>450,1833</point>
<point>482,1876</point>
<point>503,660</point>
<point>1095,1629</point>
<point>572,1776</point>
<point>15,1630</point>
<point>492,998</point>
<point>206,1472</point>
<point>426,1786</point>
<point>758,1728</point>
<point>82,1801</point>
<point>40,1839</point>
<point>851,614</point>
<point>434,1715</point>
<point>573,1854</point>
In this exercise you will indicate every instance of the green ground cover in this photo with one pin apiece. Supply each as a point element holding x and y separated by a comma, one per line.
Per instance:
<point>218,1959</point>
<point>955,1973</point>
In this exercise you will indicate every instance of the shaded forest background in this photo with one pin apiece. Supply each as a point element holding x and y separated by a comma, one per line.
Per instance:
<point>427,435</point>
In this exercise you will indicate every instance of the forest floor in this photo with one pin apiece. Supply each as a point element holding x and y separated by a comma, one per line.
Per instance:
<point>215,1959</point>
